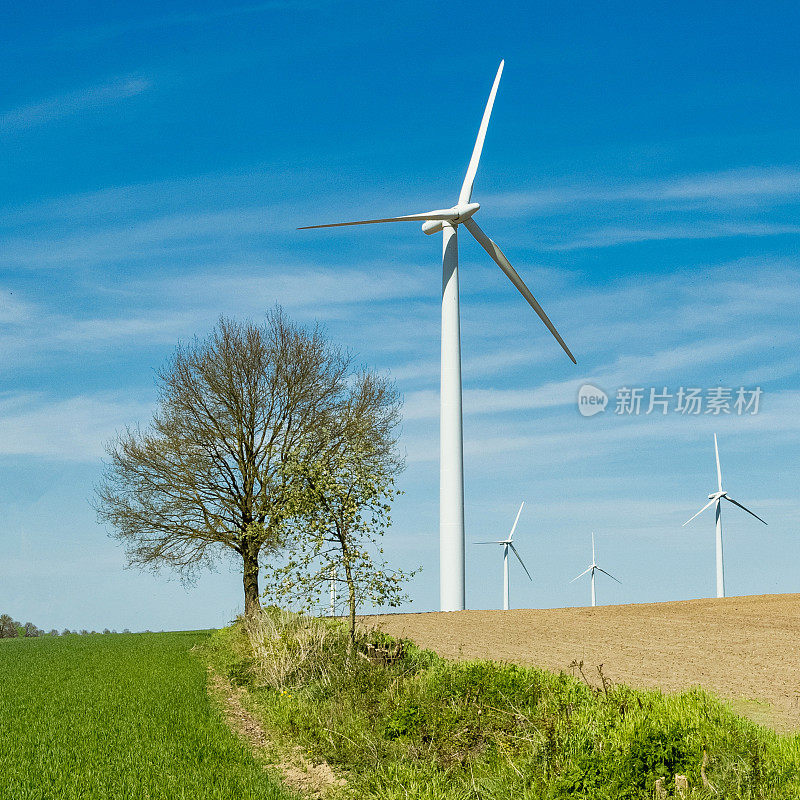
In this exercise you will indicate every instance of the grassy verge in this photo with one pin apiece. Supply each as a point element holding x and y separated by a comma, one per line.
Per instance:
<point>117,716</point>
<point>423,727</point>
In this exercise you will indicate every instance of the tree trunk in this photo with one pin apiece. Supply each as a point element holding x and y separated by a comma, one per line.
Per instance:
<point>252,603</point>
<point>351,599</point>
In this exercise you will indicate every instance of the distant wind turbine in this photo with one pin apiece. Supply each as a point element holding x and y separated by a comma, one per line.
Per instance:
<point>451,445</point>
<point>333,591</point>
<point>592,568</point>
<point>507,543</point>
<point>715,499</point>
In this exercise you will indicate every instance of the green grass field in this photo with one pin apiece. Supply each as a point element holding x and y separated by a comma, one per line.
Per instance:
<point>117,716</point>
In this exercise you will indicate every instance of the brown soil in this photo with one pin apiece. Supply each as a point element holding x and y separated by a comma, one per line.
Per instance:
<point>743,649</point>
<point>294,770</point>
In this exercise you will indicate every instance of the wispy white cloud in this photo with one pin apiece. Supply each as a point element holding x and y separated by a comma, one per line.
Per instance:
<point>727,186</point>
<point>12,309</point>
<point>147,239</point>
<point>146,313</point>
<point>298,285</point>
<point>636,333</point>
<point>72,103</point>
<point>66,429</point>
<point>770,370</point>
<point>700,301</point>
<point>634,329</point>
<point>197,231</point>
<point>102,333</point>
<point>613,236</point>
<point>135,200</point>
<point>474,366</point>
<point>632,368</point>
<point>725,204</point>
<point>30,332</point>
<point>568,437</point>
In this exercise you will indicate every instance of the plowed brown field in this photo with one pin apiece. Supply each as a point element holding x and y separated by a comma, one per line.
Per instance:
<point>743,649</point>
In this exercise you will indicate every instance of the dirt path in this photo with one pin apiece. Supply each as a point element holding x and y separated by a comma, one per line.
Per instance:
<point>743,649</point>
<point>307,779</point>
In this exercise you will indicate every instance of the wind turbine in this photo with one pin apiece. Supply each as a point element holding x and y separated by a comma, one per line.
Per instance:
<point>506,544</point>
<point>451,444</point>
<point>593,567</point>
<point>716,499</point>
<point>333,578</point>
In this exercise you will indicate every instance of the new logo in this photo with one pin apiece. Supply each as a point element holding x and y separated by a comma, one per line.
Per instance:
<point>591,400</point>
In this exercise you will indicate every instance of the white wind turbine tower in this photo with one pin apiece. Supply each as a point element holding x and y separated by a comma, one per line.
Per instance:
<point>592,568</point>
<point>716,499</point>
<point>506,544</point>
<point>451,446</point>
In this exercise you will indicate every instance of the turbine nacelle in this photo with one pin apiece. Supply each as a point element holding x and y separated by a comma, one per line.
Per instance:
<point>465,211</point>
<point>461,213</point>
<point>717,495</point>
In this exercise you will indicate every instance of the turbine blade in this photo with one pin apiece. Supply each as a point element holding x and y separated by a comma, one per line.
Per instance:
<point>519,558</point>
<point>719,470</point>
<point>514,526</point>
<point>594,557</point>
<point>707,505</point>
<point>442,213</point>
<point>588,569</point>
<point>469,179</point>
<point>499,541</point>
<point>600,569</point>
<point>497,256</point>
<point>743,508</point>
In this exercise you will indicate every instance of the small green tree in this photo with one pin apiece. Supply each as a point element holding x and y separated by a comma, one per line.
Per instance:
<point>344,509</point>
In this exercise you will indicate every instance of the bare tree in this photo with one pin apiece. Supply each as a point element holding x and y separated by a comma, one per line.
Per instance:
<point>30,630</point>
<point>208,475</point>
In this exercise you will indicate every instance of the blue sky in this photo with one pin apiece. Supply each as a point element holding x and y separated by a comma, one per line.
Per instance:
<point>641,171</point>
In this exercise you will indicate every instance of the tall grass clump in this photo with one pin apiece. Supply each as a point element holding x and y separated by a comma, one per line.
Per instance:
<point>291,650</point>
<point>417,726</point>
